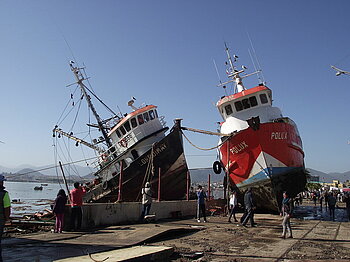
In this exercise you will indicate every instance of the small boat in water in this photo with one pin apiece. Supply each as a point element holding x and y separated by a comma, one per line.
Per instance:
<point>44,184</point>
<point>263,149</point>
<point>38,188</point>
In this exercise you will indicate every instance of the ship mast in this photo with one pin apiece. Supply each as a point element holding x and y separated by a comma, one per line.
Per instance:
<point>80,78</point>
<point>233,74</point>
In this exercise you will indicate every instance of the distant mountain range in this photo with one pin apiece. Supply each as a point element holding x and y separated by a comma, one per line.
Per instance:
<point>200,175</point>
<point>328,177</point>
<point>29,173</point>
<point>84,173</point>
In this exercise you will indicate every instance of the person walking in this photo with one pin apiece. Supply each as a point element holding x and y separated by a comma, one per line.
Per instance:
<point>5,209</point>
<point>347,203</point>
<point>233,204</point>
<point>249,208</point>
<point>331,205</point>
<point>321,200</point>
<point>76,197</point>
<point>326,196</point>
<point>201,197</point>
<point>146,200</point>
<point>286,213</point>
<point>314,198</point>
<point>58,210</point>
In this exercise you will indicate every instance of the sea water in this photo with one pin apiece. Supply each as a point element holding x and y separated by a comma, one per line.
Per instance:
<point>26,200</point>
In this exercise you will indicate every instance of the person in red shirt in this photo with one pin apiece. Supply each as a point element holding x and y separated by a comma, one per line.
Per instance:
<point>76,197</point>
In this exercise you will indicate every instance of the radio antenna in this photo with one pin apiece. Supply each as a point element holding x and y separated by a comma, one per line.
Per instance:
<point>217,72</point>
<point>260,74</point>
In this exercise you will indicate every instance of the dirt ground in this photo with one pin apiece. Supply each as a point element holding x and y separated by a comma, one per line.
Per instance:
<point>314,239</point>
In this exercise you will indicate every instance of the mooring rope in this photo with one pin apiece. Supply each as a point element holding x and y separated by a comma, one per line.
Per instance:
<point>201,148</point>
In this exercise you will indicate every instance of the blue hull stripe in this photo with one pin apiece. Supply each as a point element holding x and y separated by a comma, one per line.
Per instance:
<point>264,175</point>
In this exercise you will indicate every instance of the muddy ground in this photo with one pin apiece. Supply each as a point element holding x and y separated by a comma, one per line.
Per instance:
<point>315,238</point>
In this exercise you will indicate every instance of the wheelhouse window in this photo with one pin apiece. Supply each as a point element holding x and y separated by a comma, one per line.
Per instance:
<point>146,116</point>
<point>122,130</point>
<point>238,106</point>
<point>133,122</point>
<point>263,98</point>
<point>245,103</point>
<point>127,126</point>
<point>151,114</point>
<point>228,110</point>
<point>118,133</point>
<point>140,119</point>
<point>253,101</point>
<point>156,113</point>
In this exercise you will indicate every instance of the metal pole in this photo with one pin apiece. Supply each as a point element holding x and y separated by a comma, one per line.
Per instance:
<point>228,171</point>
<point>228,168</point>
<point>65,181</point>
<point>120,181</point>
<point>159,183</point>
<point>208,186</point>
<point>188,185</point>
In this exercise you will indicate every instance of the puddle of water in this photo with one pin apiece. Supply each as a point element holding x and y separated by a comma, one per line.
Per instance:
<point>316,213</point>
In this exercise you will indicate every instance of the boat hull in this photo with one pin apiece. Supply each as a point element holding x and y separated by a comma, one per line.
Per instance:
<point>268,158</point>
<point>167,155</point>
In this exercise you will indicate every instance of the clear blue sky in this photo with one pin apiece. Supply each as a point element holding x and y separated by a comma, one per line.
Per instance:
<point>162,53</point>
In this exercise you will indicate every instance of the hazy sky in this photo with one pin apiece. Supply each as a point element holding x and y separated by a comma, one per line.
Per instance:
<point>162,53</point>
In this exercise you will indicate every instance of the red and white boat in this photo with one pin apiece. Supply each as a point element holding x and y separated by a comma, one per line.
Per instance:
<point>263,149</point>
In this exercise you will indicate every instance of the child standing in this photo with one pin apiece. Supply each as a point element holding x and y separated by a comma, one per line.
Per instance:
<point>58,209</point>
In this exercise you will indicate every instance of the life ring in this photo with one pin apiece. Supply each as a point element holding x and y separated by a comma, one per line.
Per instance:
<point>217,167</point>
<point>123,143</point>
<point>105,185</point>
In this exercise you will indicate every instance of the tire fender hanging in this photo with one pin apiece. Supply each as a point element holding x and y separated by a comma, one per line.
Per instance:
<point>217,167</point>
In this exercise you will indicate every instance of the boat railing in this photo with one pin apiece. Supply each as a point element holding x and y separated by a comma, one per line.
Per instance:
<point>162,121</point>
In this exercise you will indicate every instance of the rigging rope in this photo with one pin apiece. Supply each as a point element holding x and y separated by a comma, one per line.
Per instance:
<point>99,99</point>
<point>59,121</point>
<point>205,149</point>
<point>47,168</point>
<point>76,115</point>
<point>149,170</point>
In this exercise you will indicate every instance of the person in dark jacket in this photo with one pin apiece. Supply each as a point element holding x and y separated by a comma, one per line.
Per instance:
<point>201,197</point>
<point>286,213</point>
<point>347,203</point>
<point>58,210</point>
<point>331,205</point>
<point>249,208</point>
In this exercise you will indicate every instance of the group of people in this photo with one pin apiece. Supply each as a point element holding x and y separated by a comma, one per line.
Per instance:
<point>248,203</point>
<point>330,200</point>
<point>249,208</point>
<point>76,202</point>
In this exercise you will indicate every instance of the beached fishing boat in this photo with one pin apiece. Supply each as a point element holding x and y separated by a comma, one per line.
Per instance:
<point>263,149</point>
<point>135,148</point>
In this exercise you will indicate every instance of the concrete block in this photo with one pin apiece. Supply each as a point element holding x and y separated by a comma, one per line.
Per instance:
<point>131,254</point>
<point>108,214</point>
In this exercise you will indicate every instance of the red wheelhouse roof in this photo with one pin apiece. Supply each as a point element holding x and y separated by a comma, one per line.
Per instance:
<point>242,94</point>
<point>130,115</point>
